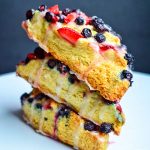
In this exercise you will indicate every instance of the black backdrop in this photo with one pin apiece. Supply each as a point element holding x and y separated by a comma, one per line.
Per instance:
<point>130,18</point>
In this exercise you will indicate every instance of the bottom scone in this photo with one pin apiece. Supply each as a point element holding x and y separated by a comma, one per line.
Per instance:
<point>61,123</point>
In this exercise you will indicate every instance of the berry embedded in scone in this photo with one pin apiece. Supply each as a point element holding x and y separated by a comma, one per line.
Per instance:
<point>87,45</point>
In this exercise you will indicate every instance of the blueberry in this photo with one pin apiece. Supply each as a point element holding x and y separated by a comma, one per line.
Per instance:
<point>100,37</point>
<point>108,28</point>
<point>63,112</point>
<point>26,61</point>
<point>45,118</point>
<point>42,7</point>
<point>78,11</point>
<point>49,16</point>
<point>126,75</point>
<point>52,63</point>
<point>62,68</point>
<point>40,96</point>
<point>86,32</point>
<point>23,97</point>
<point>129,58</point>
<point>79,21</point>
<point>30,100</point>
<point>29,14</point>
<point>38,106</point>
<point>61,18</point>
<point>29,57</point>
<point>105,128</point>
<point>109,102</point>
<point>39,53</point>
<point>72,78</point>
<point>95,21</point>
<point>66,11</point>
<point>101,28</point>
<point>88,125</point>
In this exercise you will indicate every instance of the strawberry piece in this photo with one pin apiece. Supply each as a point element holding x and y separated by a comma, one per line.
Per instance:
<point>47,106</point>
<point>54,9</point>
<point>31,56</point>
<point>118,107</point>
<point>69,34</point>
<point>70,17</point>
<point>88,20</point>
<point>106,47</point>
<point>55,19</point>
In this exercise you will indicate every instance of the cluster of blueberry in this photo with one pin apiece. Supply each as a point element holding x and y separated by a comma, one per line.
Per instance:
<point>104,127</point>
<point>95,21</point>
<point>27,97</point>
<point>62,69</point>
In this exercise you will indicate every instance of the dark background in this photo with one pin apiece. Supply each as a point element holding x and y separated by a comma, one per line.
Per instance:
<point>130,18</point>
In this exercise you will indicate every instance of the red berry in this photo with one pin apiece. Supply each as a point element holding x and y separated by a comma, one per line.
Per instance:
<point>47,106</point>
<point>69,34</point>
<point>54,9</point>
<point>88,20</point>
<point>106,47</point>
<point>31,56</point>
<point>70,17</point>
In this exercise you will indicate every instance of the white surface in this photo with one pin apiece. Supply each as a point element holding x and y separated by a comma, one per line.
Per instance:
<point>16,135</point>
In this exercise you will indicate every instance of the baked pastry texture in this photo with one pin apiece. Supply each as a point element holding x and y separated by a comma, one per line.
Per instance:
<point>91,49</point>
<point>54,79</point>
<point>61,123</point>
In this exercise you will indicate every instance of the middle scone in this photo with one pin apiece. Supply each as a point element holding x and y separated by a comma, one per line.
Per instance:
<point>56,80</point>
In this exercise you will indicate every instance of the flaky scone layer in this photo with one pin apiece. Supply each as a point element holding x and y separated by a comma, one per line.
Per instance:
<point>55,121</point>
<point>101,70</point>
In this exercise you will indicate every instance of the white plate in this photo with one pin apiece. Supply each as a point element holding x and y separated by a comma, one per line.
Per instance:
<point>16,135</point>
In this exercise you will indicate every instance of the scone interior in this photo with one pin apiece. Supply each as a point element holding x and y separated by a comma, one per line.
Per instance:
<point>62,123</point>
<point>91,49</point>
<point>56,80</point>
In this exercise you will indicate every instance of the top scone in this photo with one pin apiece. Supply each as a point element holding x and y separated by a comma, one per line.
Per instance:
<point>90,48</point>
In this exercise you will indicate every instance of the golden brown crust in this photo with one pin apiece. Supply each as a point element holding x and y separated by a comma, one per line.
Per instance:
<point>102,74</point>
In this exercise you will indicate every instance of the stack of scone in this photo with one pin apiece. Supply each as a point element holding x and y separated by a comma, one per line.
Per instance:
<point>79,74</point>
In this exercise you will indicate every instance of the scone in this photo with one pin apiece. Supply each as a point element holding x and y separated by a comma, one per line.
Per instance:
<point>88,46</point>
<point>56,80</point>
<point>61,123</point>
